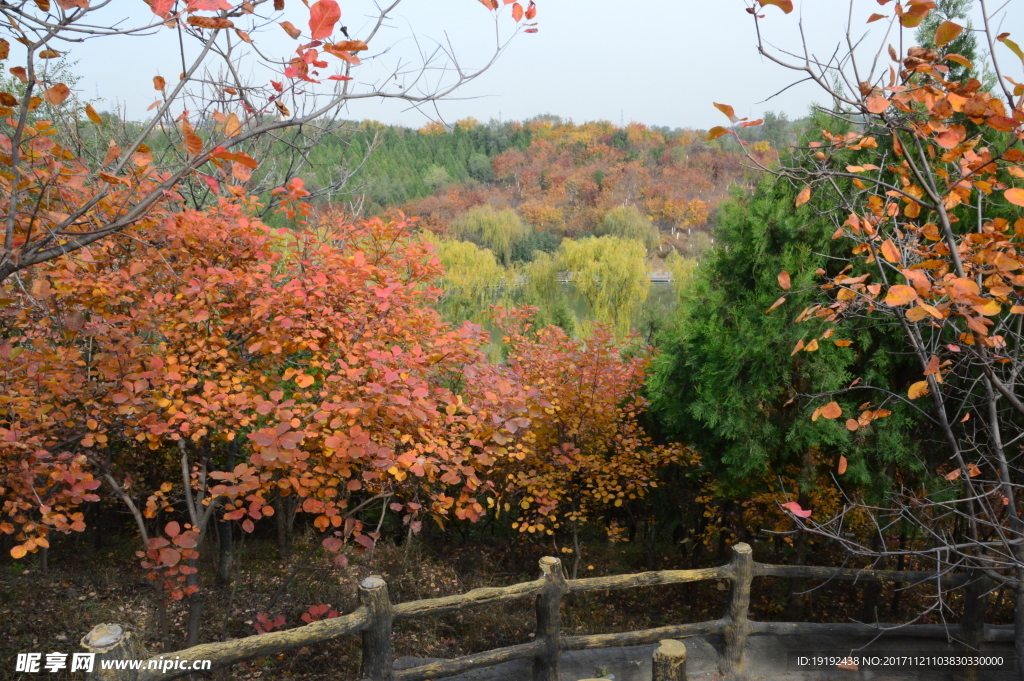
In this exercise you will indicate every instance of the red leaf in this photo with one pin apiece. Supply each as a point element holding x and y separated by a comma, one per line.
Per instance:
<point>323,15</point>
<point>795,509</point>
<point>170,557</point>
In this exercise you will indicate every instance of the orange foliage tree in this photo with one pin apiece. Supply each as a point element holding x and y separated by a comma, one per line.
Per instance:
<point>586,456</point>
<point>927,190</point>
<point>147,359</point>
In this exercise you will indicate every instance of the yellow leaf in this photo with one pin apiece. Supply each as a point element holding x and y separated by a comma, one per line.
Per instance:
<point>918,389</point>
<point>93,116</point>
<point>232,126</point>
<point>812,346</point>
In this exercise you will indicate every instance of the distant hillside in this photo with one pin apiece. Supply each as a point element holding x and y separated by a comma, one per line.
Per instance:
<point>562,178</point>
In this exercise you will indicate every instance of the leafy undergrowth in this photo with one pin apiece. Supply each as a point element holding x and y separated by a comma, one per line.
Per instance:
<point>86,585</point>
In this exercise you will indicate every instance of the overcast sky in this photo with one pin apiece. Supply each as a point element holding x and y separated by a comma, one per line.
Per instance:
<point>658,62</point>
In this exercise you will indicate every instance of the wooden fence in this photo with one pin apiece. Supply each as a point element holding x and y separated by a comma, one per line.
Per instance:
<point>376,616</point>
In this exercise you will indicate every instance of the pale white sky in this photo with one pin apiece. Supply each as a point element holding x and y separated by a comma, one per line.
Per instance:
<point>659,62</point>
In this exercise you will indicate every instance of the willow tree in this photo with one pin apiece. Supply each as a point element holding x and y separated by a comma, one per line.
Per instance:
<point>498,230</point>
<point>627,222</point>
<point>610,274</point>
<point>471,281</point>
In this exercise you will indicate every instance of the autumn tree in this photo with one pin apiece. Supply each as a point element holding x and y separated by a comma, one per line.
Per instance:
<point>588,455</point>
<point>932,221</point>
<point>310,359</point>
<point>60,195</point>
<point>611,275</point>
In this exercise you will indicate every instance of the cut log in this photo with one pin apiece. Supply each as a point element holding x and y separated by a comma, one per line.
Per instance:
<point>669,661</point>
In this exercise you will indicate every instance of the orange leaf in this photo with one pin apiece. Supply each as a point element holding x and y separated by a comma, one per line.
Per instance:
<point>159,83</point>
<point>877,104</point>
<point>727,110</point>
<point>1015,195</point>
<point>953,475</point>
<point>778,302</point>
<point>517,12</point>
<point>852,426</point>
<point>799,346</point>
<point>875,17</point>
<point>193,143</point>
<point>812,346</point>
<point>890,252</point>
<point>843,343</point>
<point>804,196</point>
<point>18,552</point>
<point>947,33</point>
<point>290,29</point>
<point>842,465</point>
<point>832,410</point>
<point>785,5</point>
<point>784,281</point>
<point>57,94</point>
<point>952,137</point>
<point>900,294</point>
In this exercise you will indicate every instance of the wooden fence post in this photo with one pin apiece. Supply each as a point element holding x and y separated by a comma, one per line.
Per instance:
<point>377,654</point>
<point>669,661</point>
<point>972,624</point>
<point>738,627</point>
<point>549,620</point>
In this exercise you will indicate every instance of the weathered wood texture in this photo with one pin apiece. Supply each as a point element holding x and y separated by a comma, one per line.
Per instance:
<point>470,599</point>
<point>669,662</point>
<point>227,653</point>
<point>458,665</point>
<point>549,620</point>
<point>647,579</point>
<point>813,572</point>
<point>644,637</point>
<point>374,618</point>
<point>741,573</point>
<point>112,642</point>
<point>378,660</point>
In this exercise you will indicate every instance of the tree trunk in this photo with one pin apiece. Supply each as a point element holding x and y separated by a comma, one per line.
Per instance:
<point>226,554</point>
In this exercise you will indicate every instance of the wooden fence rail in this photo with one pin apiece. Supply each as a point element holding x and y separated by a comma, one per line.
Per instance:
<point>375,616</point>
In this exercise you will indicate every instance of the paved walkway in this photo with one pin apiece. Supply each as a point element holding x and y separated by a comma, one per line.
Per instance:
<point>769,658</point>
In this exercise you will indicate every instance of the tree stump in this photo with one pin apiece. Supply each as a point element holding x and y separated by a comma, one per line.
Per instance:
<point>113,642</point>
<point>670,661</point>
